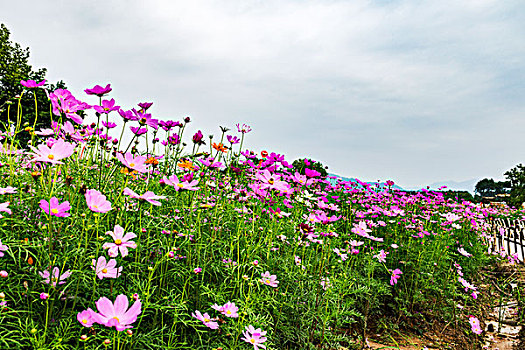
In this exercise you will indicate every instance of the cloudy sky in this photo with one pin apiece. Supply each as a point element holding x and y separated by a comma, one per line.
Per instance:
<point>414,91</point>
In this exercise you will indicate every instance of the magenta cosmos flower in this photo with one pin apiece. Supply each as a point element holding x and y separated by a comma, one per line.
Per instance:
<point>54,277</point>
<point>269,280</point>
<point>395,276</point>
<point>99,90</point>
<point>116,314</point>
<point>149,196</point>
<point>205,319</point>
<point>105,269</point>
<point>97,202</point>
<point>53,208</point>
<point>120,243</point>
<point>60,150</point>
<point>32,84</point>
<point>137,162</point>
<point>107,107</point>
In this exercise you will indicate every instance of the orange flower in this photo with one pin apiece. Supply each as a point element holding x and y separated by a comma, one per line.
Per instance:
<point>152,160</point>
<point>126,171</point>
<point>264,154</point>
<point>220,147</point>
<point>186,164</point>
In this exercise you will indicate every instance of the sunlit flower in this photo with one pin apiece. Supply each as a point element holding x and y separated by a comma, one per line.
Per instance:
<point>137,162</point>
<point>58,151</point>
<point>148,196</point>
<point>229,309</point>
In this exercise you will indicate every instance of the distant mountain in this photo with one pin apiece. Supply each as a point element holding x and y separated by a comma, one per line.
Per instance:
<point>467,185</point>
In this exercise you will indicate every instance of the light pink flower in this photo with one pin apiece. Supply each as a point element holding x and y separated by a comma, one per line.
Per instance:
<point>4,208</point>
<point>116,314</point>
<point>149,196</point>
<point>137,162</point>
<point>97,202</point>
<point>173,180</point>
<point>381,256</point>
<point>85,318</point>
<point>3,248</point>
<point>121,242</point>
<point>8,189</point>
<point>269,280</point>
<point>255,337</point>
<point>106,269</point>
<point>54,277</point>
<point>206,319</point>
<point>59,150</point>
<point>228,309</point>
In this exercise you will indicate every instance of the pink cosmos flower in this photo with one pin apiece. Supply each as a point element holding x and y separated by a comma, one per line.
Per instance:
<point>97,202</point>
<point>121,242</point>
<point>228,309</point>
<point>149,196</point>
<point>54,277</point>
<point>8,189</point>
<point>5,209</point>
<point>381,256</point>
<point>137,162</point>
<point>395,276</point>
<point>475,325</point>
<point>272,181</point>
<point>106,269</point>
<point>269,280</point>
<point>99,90</point>
<point>85,318</point>
<point>255,337</point>
<point>31,83</point>
<point>244,129</point>
<point>116,314</point>
<point>64,102</point>
<point>3,248</point>
<point>206,319</point>
<point>59,150</point>
<point>54,209</point>
<point>173,180</point>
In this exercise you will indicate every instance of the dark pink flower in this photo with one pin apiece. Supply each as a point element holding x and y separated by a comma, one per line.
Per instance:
<point>99,90</point>
<point>107,106</point>
<point>32,84</point>
<point>53,208</point>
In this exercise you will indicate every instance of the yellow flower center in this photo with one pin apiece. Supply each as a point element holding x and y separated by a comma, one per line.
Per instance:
<point>51,156</point>
<point>252,341</point>
<point>118,242</point>
<point>104,270</point>
<point>180,185</point>
<point>228,312</point>
<point>116,318</point>
<point>268,281</point>
<point>84,321</point>
<point>271,181</point>
<point>54,211</point>
<point>206,319</point>
<point>131,165</point>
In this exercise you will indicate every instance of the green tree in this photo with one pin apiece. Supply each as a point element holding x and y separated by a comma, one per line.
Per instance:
<point>302,163</point>
<point>516,176</point>
<point>491,188</point>
<point>14,67</point>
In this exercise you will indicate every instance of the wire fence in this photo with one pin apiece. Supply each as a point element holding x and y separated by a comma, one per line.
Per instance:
<point>509,235</point>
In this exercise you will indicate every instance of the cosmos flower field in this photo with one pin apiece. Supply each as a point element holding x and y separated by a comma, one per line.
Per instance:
<point>125,232</point>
